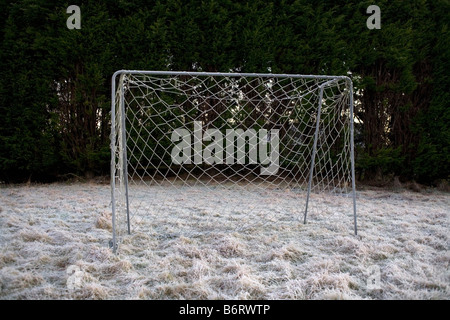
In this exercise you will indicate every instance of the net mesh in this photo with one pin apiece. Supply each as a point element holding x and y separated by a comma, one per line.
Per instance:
<point>195,152</point>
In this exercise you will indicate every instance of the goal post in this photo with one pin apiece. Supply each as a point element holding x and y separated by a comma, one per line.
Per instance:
<point>252,148</point>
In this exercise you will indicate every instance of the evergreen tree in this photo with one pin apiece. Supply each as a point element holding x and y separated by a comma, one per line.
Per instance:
<point>55,83</point>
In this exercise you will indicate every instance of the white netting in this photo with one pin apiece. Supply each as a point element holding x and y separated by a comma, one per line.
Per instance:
<point>228,151</point>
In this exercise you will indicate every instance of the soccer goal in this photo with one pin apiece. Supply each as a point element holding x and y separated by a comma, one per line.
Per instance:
<point>196,152</point>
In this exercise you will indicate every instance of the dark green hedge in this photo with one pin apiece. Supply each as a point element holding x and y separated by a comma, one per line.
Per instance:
<point>55,82</point>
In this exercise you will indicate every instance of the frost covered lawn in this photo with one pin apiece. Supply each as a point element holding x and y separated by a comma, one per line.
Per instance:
<point>54,245</point>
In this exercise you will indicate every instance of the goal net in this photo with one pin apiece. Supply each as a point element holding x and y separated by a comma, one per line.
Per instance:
<point>196,152</point>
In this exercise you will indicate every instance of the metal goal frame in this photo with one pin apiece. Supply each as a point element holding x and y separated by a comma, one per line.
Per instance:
<point>119,158</point>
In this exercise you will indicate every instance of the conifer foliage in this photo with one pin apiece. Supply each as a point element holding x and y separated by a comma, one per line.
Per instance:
<point>55,82</point>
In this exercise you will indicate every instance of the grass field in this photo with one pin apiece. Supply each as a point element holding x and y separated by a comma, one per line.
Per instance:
<point>54,245</point>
